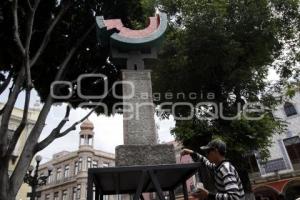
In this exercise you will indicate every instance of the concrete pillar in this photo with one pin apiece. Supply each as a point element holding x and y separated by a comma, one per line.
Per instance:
<point>140,137</point>
<point>139,124</point>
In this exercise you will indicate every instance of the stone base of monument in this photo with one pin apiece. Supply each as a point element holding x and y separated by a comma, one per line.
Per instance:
<point>129,155</point>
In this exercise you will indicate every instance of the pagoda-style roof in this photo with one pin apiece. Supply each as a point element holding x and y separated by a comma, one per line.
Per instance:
<point>128,39</point>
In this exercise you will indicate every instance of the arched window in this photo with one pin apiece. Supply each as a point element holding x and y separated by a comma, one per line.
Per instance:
<point>289,109</point>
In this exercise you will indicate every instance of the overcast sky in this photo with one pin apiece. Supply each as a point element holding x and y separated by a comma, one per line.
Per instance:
<point>108,130</point>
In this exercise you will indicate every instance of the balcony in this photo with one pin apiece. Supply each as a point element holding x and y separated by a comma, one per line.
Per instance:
<point>274,165</point>
<point>273,170</point>
<point>55,183</point>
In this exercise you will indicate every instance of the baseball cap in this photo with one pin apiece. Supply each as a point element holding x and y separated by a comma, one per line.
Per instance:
<point>215,144</point>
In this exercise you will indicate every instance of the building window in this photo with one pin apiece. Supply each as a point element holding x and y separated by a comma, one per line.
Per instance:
<point>66,172</point>
<point>78,192</point>
<point>80,164</point>
<point>42,175</point>
<point>292,146</point>
<point>89,162</point>
<point>289,109</point>
<point>65,195</point>
<point>50,179</point>
<point>274,165</point>
<point>76,168</point>
<point>55,196</point>
<point>95,163</point>
<point>47,197</point>
<point>74,193</point>
<point>105,164</point>
<point>58,174</point>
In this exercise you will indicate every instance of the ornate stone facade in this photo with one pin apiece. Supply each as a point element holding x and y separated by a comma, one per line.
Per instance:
<point>68,180</point>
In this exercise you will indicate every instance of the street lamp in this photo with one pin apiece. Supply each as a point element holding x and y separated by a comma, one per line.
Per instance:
<point>35,180</point>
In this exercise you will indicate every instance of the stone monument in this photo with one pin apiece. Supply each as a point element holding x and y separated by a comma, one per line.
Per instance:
<point>134,51</point>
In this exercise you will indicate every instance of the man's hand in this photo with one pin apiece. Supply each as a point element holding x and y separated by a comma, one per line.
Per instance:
<point>201,194</point>
<point>186,152</point>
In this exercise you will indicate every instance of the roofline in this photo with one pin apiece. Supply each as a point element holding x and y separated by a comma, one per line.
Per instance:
<point>74,154</point>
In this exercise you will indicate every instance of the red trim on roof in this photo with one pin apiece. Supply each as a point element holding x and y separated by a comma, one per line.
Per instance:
<point>279,185</point>
<point>276,185</point>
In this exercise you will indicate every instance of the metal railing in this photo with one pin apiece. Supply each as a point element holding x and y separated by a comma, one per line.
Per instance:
<point>274,165</point>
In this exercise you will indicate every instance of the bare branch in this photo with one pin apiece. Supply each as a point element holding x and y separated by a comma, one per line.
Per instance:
<point>53,135</point>
<point>48,34</point>
<point>57,134</point>
<point>6,83</point>
<point>16,26</point>
<point>28,150</point>
<point>22,124</point>
<point>3,108</point>
<point>11,89</point>
<point>73,127</point>
<point>30,22</point>
<point>29,5</point>
<point>30,145</point>
<point>56,131</point>
<point>30,25</point>
<point>6,113</point>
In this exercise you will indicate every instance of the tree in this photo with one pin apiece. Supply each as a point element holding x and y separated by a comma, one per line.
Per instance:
<point>220,52</point>
<point>47,41</point>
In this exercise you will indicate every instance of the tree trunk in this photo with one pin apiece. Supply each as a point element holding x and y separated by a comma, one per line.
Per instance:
<point>249,195</point>
<point>4,179</point>
<point>9,106</point>
<point>28,151</point>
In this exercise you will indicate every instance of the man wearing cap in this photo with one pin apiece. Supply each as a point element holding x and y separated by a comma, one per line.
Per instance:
<point>227,181</point>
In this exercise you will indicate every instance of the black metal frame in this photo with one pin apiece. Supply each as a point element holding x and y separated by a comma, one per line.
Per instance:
<point>35,180</point>
<point>148,176</point>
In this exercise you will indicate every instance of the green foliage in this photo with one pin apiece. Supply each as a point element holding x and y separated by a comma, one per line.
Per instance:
<point>148,7</point>
<point>226,48</point>
<point>91,57</point>
<point>242,136</point>
<point>223,47</point>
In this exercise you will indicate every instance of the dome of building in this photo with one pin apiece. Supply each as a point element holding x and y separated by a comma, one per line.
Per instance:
<point>87,124</point>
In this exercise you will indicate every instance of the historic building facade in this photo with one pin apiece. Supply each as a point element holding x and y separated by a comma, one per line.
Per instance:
<point>68,180</point>
<point>280,175</point>
<point>14,122</point>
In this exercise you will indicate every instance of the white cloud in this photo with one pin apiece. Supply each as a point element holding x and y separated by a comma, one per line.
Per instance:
<point>272,75</point>
<point>164,129</point>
